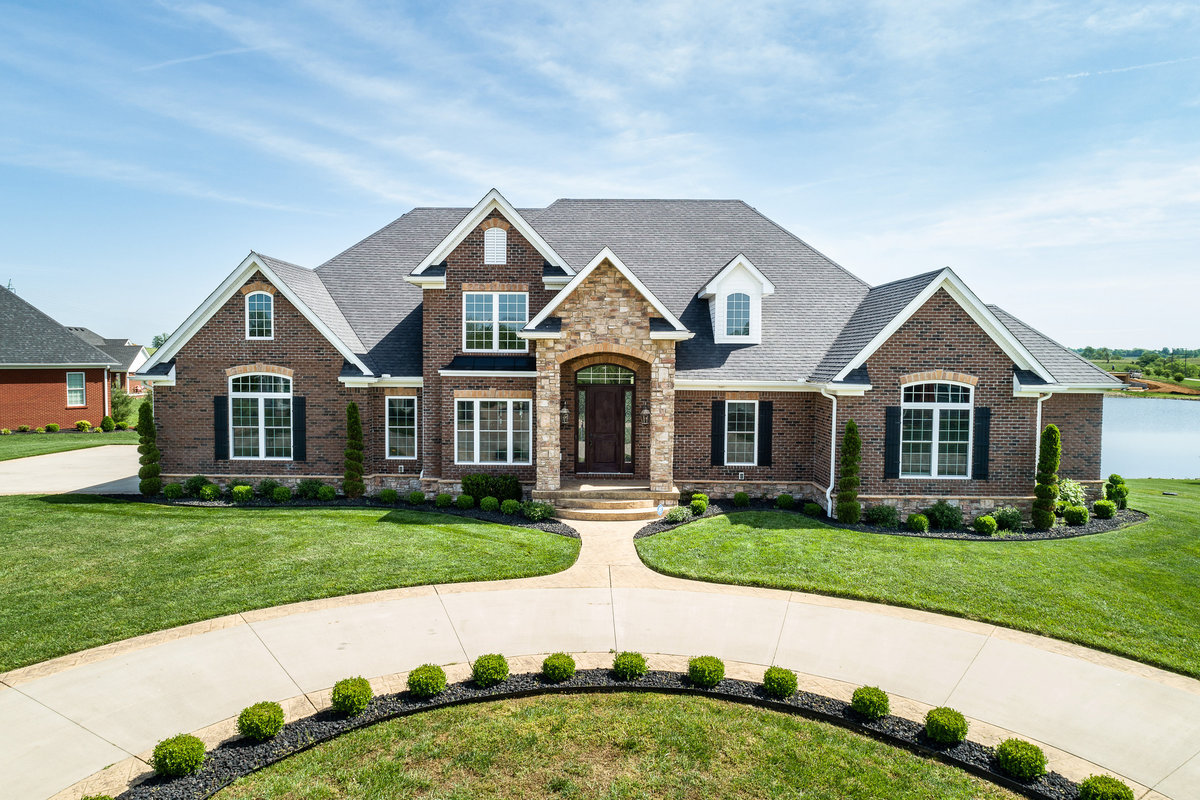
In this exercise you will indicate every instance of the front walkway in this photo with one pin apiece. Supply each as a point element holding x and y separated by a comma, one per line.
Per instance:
<point>110,469</point>
<point>64,720</point>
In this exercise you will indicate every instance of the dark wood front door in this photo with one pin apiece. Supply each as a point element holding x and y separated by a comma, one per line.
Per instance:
<point>604,428</point>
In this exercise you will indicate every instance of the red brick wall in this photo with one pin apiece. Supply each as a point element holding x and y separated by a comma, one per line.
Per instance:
<point>37,397</point>
<point>1079,418</point>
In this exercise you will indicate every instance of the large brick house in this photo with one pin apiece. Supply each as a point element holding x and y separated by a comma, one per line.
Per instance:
<point>689,345</point>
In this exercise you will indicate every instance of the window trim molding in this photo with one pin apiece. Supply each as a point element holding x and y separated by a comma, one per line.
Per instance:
<point>509,401</point>
<point>754,449</point>
<point>246,307</point>
<point>262,426</point>
<point>937,408</point>
<point>387,428</point>
<point>83,388</point>
<point>503,236</point>
<point>495,324</point>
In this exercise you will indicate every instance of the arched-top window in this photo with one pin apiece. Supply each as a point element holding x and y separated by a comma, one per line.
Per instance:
<point>737,314</point>
<point>495,246</point>
<point>604,373</point>
<point>935,430</point>
<point>260,416</point>
<point>260,315</point>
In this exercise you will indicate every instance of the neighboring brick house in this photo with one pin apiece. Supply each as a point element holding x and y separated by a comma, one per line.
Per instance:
<point>47,374</point>
<point>683,345</point>
<point>129,357</point>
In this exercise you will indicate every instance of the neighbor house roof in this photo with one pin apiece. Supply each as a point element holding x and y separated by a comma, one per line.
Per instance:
<point>29,336</point>
<point>123,351</point>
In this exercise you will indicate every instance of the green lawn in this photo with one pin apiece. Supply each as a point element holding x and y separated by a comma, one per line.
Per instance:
<point>1133,592</point>
<point>81,571</point>
<point>607,746</point>
<point>20,445</point>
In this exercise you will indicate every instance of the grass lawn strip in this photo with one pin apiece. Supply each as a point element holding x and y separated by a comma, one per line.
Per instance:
<point>1131,592</point>
<point>82,571</point>
<point>22,445</point>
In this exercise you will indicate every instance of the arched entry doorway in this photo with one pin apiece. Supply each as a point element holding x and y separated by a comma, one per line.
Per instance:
<point>604,410</point>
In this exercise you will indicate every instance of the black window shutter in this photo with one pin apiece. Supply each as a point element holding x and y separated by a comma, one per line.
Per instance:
<point>299,430</point>
<point>221,428</point>
<point>718,433</point>
<point>891,442</point>
<point>983,435</point>
<point>764,433</point>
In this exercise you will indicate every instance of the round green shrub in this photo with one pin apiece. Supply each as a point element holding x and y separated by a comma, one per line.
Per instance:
<point>351,696</point>
<point>23,429</point>
<point>39,430</point>
<point>698,507</point>
<point>945,725</point>
<point>427,680</point>
<point>489,670</point>
<point>883,516</point>
<point>536,512</point>
<point>741,499</point>
<point>465,501</point>
<point>1021,759</point>
<point>281,494</point>
<point>5,432</point>
<point>706,671</point>
<point>193,485</point>
<point>1075,515</point>
<point>629,666</point>
<point>327,494</point>
<point>812,510</point>
<point>210,492</point>
<point>489,504</point>
<point>179,755</point>
<point>389,496</point>
<point>986,525</point>
<point>918,523</point>
<point>81,425</point>
<point>416,498</point>
<point>871,702</point>
<point>307,488</point>
<point>261,721</point>
<point>558,667</point>
<point>698,496</point>
<point>1104,787</point>
<point>1104,509</point>
<point>1008,518</point>
<point>779,683</point>
<point>443,500</point>
<point>52,427</point>
<point>944,517</point>
<point>510,507</point>
<point>242,494</point>
<point>785,501</point>
<point>266,488</point>
<point>121,426</point>
<point>678,514</point>
<point>108,424</point>
<point>173,491</point>
<point>150,486</point>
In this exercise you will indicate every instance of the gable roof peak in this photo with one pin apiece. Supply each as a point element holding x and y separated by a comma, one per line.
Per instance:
<point>742,262</point>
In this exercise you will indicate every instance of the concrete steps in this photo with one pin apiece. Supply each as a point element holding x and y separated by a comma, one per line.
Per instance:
<point>608,502</point>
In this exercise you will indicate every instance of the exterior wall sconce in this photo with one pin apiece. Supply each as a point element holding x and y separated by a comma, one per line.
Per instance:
<point>645,414</point>
<point>564,414</point>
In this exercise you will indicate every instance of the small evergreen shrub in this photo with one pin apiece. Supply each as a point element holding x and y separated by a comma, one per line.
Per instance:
<point>1104,509</point>
<point>416,498</point>
<point>1076,515</point>
<point>1104,787</point>
<point>918,523</point>
<point>81,425</point>
<point>261,721</point>
<point>108,425</point>
<point>443,500</point>
<point>173,491</point>
<point>504,487</point>
<point>177,756</point>
<point>149,473</point>
<point>1046,490</point>
<point>741,499</point>
<point>193,485</point>
<point>475,484</point>
<point>489,504</point>
<point>812,510</point>
<point>1021,759</point>
<point>697,507</point>
<point>52,427</point>
<point>282,494</point>
<point>678,514</point>
<point>945,725</point>
<point>986,525</point>
<point>427,680</point>
<point>1008,518</point>
<point>510,507</point>
<point>351,696</point>
<point>266,488</point>
<point>871,702</point>
<point>22,429</point>
<point>352,470</point>
<point>1116,490</point>
<point>5,432</point>
<point>944,517</point>
<point>94,430</point>
<point>308,488</point>
<point>389,496</point>
<point>785,501</point>
<point>489,670</point>
<point>558,667</point>
<point>241,494</point>
<point>210,491</point>
<point>536,512</point>
<point>848,509</point>
<point>121,426</point>
<point>883,516</point>
<point>629,666</point>
<point>699,496</point>
<point>1072,492</point>
<point>779,683</point>
<point>465,501</point>
<point>39,430</point>
<point>706,671</point>
<point>327,494</point>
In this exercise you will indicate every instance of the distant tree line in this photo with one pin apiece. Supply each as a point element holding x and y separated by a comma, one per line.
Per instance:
<point>1169,362</point>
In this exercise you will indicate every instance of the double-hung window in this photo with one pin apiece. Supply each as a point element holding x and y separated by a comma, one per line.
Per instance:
<point>741,433</point>
<point>76,389</point>
<point>402,427</point>
<point>935,430</point>
<point>491,320</point>
<point>493,431</point>
<point>260,419</point>
<point>737,314</point>
<point>260,315</point>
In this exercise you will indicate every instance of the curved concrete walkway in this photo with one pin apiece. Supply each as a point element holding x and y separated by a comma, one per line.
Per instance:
<point>65,720</point>
<point>108,469</point>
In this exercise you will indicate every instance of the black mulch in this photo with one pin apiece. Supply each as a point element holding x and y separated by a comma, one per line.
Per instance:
<point>240,757</point>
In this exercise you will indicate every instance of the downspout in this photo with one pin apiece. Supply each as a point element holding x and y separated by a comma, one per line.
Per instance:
<point>833,449</point>
<point>1037,441</point>
<point>107,406</point>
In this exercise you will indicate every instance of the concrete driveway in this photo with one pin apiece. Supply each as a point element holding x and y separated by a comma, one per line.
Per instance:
<point>111,469</point>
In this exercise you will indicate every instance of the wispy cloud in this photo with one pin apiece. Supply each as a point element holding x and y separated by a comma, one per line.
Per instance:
<point>1096,73</point>
<point>202,57</point>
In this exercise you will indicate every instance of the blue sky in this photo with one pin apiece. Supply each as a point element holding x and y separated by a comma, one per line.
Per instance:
<point>1048,152</point>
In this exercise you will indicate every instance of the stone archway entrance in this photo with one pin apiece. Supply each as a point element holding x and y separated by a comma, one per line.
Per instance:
<point>605,406</point>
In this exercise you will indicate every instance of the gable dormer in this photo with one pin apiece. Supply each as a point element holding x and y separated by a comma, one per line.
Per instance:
<point>735,296</point>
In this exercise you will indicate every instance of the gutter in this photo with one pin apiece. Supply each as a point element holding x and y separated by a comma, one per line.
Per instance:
<point>833,448</point>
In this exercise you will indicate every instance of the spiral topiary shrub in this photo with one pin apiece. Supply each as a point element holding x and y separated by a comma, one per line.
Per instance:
<point>1104,509</point>
<point>706,671</point>
<point>848,510</point>
<point>785,501</point>
<point>180,755</point>
<point>352,463</point>
<point>779,683</point>
<point>389,496</point>
<point>465,501</point>
<point>427,680</point>
<point>261,721</point>
<point>241,494</point>
<point>558,667</point>
<point>351,696</point>
<point>489,670</point>
<point>149,474</point>
<point>741,499</point>
<point>918,523</point>
<point>173,491</point>
<point>443,500</point>
<point>945,725</point>
<point>1046,490</point>
<point>1104,787</point>
<point>1075,515</point>
<point>510,507</point>
<point>416,498</point>
<point>629,666</point>
<point>871,702</point>
<point>489,504</point>
<point>986,525</point>
<point>1021,759</point>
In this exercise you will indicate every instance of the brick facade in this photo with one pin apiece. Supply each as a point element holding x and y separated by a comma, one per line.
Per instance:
<point>38,396</point>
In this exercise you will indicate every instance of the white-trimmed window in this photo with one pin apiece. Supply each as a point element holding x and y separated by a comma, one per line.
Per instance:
<point>260,315</point>
<point>741,433</point>
<point>260,417</point>
<point>737,314</point>
<point>402,427</point>
<point>935,430</point>
<point>495,246</point>
<point>493,431</point>
<point>76,389</point>
<point>491,320</point>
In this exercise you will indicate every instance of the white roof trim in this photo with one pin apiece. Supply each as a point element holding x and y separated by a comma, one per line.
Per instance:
<point>608,255</point>
<point>221,295</point>
<point>156,380</point>
<point>980,313</point>
<point>427,281</point>
<point>377,380</point>
<point>710,289</point>
<point>487,373</point>
<point>492,201</point>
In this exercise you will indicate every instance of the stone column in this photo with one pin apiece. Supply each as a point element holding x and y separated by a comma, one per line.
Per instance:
<point>662,418</point>
<point>548,450</point>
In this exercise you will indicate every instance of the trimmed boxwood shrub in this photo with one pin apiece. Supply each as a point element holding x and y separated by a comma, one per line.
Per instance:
<point>944,517</point>
<point>389,496</point>
<point>871,702</point>
<point>327,494</point>
<point>465,501</point>
<point>698,507</point>
<point>351,696</point>
<point>52,427</point>
<point>536,512</point>
<point>883,516</point>
<point>1075,515</point>
<point>173,491</point>
<point>281,494</point>
<point>308,488</point>
<point>558,667</point>
<point>108,425</point>
<point>504,487</point>
<point>43,430</point>
<point>489,504</point>
<point>1104,509</point>
<point>261,721</point>
<point>475,484</point>
<point>443,500</point>
<point>22,429</point>
<point>1021,759</point>
<point>706,671</point>
<point>678,514</point>
<point>427,680</point>
<point>945,725</point>
<point>1104,787</point>
<point>489,670</point>
<point>1116,490</point>
<point>81,425</point>
<point>121,426</point>
<point>510,507</point>
<point>177,756</point>
<point>629,666</point>
<point>741,499</point>
<point>193,485</point>
<point>149,473</point>
<point>812,510</point>
<point>918,523</point>
<point>779,683</point>
<point>266,488</point>
<point>210,491</point>
<point>986,525</point>
<point>416,498</point>
<point>1008,518</point>
<point>240,494</point>
<point>785,501</point>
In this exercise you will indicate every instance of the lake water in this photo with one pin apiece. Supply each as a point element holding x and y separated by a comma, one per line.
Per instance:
<point>1151,438</point>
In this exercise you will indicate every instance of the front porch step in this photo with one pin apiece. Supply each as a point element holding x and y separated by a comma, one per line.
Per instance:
<point>553,496</point>
<point>601,503</point>
<point>607,514</point>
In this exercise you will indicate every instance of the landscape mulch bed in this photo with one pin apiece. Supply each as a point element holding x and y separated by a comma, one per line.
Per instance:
<point>240,757</point>
<point>1093,526</point>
